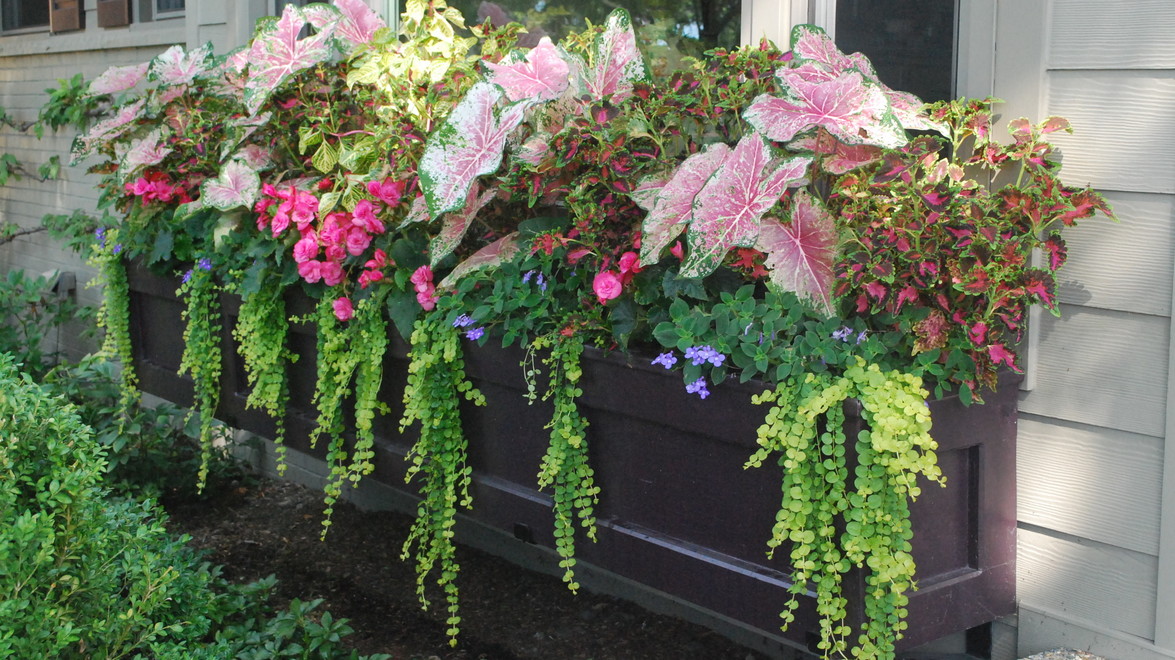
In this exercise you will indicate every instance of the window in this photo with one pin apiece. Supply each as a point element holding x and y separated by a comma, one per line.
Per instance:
<point>23,14</point>
<point>168,6</point>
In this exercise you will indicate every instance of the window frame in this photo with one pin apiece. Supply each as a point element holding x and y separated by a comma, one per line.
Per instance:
<point>158,14</point>
<point>28,29</point>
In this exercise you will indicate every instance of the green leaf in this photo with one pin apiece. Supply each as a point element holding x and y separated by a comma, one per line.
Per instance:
<point>325,159</point>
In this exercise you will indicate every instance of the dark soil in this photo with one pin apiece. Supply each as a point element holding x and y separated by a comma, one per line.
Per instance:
<point>507,612</point>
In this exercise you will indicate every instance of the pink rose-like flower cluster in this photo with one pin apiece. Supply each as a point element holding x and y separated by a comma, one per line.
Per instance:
<point>608,284</point>
<point>426,292</point>
<point>155,186</point>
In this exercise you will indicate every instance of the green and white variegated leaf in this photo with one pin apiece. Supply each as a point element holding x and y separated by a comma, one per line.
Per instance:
<point>616,61</point>
<point>277,53</point>
<point>490,256</point>
<point>237,186</point>
<point>728,209</point>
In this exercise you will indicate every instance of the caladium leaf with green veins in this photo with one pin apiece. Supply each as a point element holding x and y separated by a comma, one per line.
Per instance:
<point>468,145</point>
<point>673,204</point>
<point>616,61</point>
<point>801,255</point>
<point>174,67</point>
<point>850,108</point>
<point>455,224</point>
<point>105,130</point>
<point>539,75</point>
<point>277,53</point>
<point>357,22</point>
<point>119,79</point>
<point>726,212</point>
<point>237,185</point>
<point>490,256</point>
<point>144,152</point>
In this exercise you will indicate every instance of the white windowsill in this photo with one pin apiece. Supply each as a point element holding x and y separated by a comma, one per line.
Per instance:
<point>155,33</point>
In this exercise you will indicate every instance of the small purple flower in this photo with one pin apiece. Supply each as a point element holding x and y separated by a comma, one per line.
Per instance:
<point>666,360</point>
<point>526,277</point>
<point>204,263</point>
<point>100,236</point>
<point>117,248</point>
<point>842,334</point>
<point>462,321</point>
<point>698,387</point>
<point>862,337</point>
<point>698,355</point>
<point>541,282</point>
<point>187,276</point>
<point>475,334</point>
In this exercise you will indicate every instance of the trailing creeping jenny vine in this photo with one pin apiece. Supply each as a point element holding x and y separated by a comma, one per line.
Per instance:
<point>436,383</point>
<point>114,314</point>
<point>202,359</point>
<point>833,524</point>
<point>261,331</point>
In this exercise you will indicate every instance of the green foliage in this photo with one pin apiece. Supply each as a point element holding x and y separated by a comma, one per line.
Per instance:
<point>261,331</point>
<point>201,359</point>
<point>804,429</point>
<point>114,315</point>
<point>29,310</point>
<point>565,466</point>
<point>436,384</point>
<point>350,359</point>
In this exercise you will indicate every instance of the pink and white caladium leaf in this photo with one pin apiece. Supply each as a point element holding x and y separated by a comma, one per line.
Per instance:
<point>801,255</point>
<point>119,79</point>
<point>491,256</point>
<point>539,75</point>
<point>105,131</point>
<point>237,186</point>
<point>838,156</point>
<point>357,22</point>
<point>454,225</point>
<point>144,152</point>
<point>255,157</point>
<point>852,109</point>
<point>418,212</point>
<point>277,53</point>
<point>727,211</point>
<point>468,145</point>
<point>616,61</point>
<point>174,67</point>
<point>238,130</point>
<point>645,192</point>
<point>673,204</point>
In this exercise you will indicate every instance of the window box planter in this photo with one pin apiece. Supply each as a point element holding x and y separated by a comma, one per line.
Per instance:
<point>678,513</point>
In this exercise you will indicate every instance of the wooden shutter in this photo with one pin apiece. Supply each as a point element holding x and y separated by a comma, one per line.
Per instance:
<point>65,15</point>
<point>114,13</point>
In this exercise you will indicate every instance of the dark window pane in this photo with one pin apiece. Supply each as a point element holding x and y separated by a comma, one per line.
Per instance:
<point>911,42</point>
<point>688,27</point>
<point>169,5</point>
<point>24,13</point>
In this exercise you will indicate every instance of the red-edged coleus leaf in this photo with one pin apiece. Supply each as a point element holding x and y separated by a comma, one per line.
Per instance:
<point>455,224</point>
<point>673,204</point>
<point>616,61</point>
<point>144,152</point>
<point>850,108</point>
<point>801,255</point>
<point>468,145</point>
<point>119,79</point>
<point>277,52</point>
<point>490,256</point>
<point>174,67</point>
<point>539,75</point>
<point>357,21</point>
<point>237,186</point>
<point>105,130</point>
<point>838,156</point>
<point>727,210</point>
<point>1058,252</point>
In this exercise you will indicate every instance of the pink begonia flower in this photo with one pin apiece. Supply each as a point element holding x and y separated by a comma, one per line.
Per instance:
<point>677,250</point>
<point>281,220</point>
<point>343,309</point>
<point>336,252</point>
<point>369,276</point>
<point>305,208</point>
<point>425,291</point>
<point>333,273</point>
<point>378,260</point>
<point>311,271</point>
<point>607,286</point>
<point>364,216</point>
<point>421,275</point>
<point>306,249</point>
<point>358,240</point>
<point>629,265</point>
<point>387,191</point>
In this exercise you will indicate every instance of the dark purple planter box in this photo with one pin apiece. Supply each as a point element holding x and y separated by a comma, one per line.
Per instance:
<point>677,513</point>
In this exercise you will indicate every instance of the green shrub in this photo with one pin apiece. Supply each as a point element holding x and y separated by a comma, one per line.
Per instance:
<point>29,309</point>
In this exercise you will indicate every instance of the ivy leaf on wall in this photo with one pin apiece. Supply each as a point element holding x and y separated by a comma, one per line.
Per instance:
<point>237,185</point>
<point>848,107</point>
<point>616,61</point>
<point>726,212</point>
<point>673,204</point>
<point>277,52</point>
<point>119,79</point>
<point>468,145</point>
<point>540,75</point>
<point>455,224</point>
<point>492,255</point>
<point>801,254</point>
<point>357,22</point>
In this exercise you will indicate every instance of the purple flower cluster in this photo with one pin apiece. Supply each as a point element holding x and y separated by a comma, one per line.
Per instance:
<point>462,321</point>
<point>539,281</point>
<point>666,360</point>
<point>475,334</point>
<point>698,387</point>
<point>698,355</point>
<point>100,236</point>
<point>204,264</point>
<point>845,334</point>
